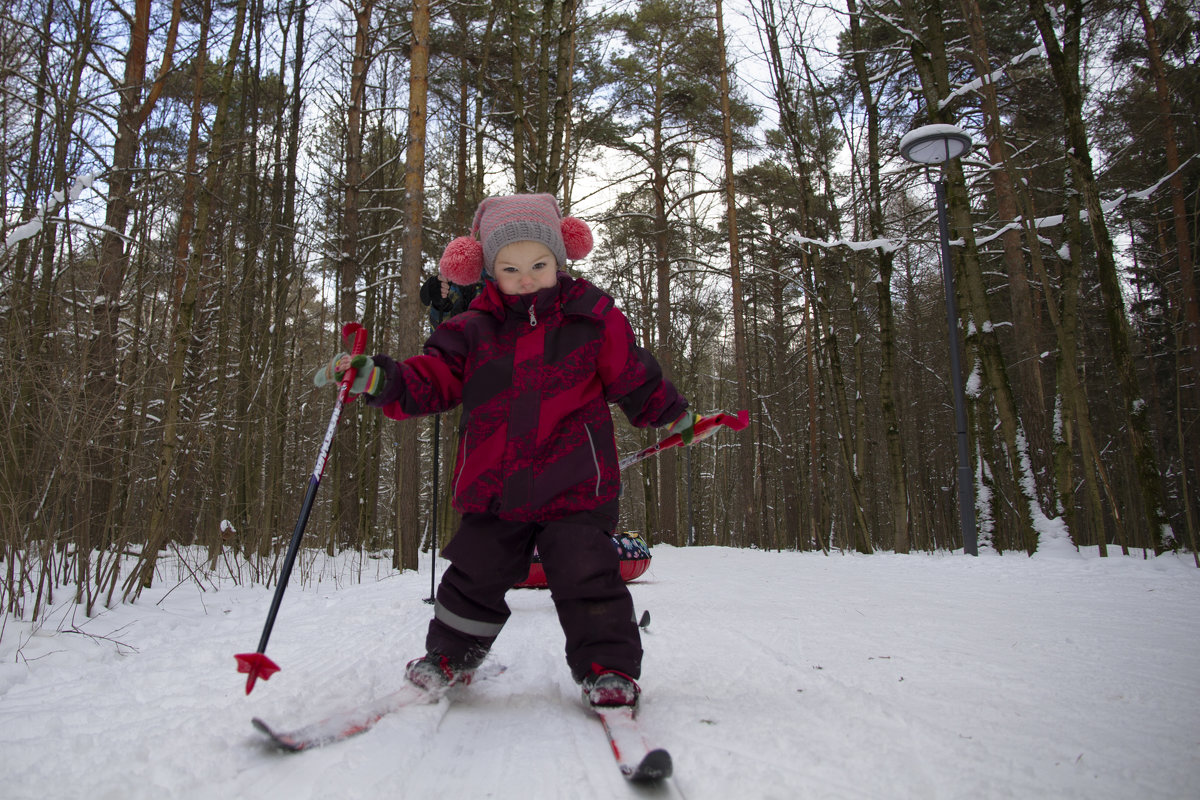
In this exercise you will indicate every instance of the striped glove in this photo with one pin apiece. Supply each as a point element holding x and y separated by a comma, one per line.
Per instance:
<point>685,426</point>
<point>368,378</point>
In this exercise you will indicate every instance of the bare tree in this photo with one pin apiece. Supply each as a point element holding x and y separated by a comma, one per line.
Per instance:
<point>408,461</point>
<point>746,472</point>
<point>100,380</point>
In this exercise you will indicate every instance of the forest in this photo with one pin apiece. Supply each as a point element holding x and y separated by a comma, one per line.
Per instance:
<point>197,194</point>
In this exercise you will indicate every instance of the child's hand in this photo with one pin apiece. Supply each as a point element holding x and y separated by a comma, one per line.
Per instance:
<point>333,371</point>
<point>368,378</point>
<point>685,426</point>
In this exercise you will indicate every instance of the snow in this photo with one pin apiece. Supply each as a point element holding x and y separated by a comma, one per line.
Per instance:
<point>993,77</point>
<point>996,234</point>
<point>33,227</point>
<point>1148,192</point>
<point>22,232</point>
<point>767,675</point>
<point>82,182</point>
<point>974,384</point>
<point>884,245</point>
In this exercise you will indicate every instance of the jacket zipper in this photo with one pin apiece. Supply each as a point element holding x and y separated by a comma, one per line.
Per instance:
<point>532,316</point>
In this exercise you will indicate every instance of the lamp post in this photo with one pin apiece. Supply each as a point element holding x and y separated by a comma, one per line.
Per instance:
<point>929,145</point>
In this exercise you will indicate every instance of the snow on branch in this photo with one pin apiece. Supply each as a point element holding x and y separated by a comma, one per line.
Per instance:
<point>1051,221</point>
<point>28,230</point>
<point>991,77</point>
<point>1055,220</point>
<point>885,245</point>
<point>1144,194</point>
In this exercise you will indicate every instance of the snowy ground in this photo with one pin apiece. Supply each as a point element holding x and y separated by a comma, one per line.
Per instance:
<point>767,675</point>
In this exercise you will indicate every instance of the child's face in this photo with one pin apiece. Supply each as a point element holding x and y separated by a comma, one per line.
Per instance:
<point>524,267</point>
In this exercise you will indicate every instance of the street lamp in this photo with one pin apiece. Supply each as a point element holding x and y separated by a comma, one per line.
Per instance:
<point>929,145</point>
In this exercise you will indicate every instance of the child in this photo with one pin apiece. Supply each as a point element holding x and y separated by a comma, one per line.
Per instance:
<point>446,299</point>
<point>535,362</point>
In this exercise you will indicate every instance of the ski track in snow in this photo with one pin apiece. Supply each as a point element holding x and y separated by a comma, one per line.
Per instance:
<point>767,675</point>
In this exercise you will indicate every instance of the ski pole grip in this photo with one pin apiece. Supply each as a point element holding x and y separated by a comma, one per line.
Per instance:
<point>355,335</point>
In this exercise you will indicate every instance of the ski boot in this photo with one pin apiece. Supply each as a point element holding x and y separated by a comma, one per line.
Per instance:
<point>435,673</point>
<point>609,687</point>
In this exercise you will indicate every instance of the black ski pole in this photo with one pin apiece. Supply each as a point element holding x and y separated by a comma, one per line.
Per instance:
<point>257,665</point>
<point>433,528</point>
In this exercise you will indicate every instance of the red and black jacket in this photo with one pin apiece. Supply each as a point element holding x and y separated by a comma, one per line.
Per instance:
<point>535,375</point>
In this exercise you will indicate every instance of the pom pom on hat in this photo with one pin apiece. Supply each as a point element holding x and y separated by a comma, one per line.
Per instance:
<point>577,237</point>
<point>462,261</point>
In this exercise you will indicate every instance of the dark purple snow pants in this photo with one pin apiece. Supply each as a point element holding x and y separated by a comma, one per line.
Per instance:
<point>489,555</point>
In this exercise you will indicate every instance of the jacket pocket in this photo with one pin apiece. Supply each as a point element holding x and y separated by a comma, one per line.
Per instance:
<point>462,462</point>
<point>595,456</point>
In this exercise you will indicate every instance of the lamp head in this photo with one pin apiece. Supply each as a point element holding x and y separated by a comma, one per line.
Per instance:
<point>934,144</point>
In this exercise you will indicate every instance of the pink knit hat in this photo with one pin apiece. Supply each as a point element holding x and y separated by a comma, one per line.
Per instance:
<point>515,218</point>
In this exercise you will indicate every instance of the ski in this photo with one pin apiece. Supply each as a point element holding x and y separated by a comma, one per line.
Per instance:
<point>638,762</point>
<point>345,724</point>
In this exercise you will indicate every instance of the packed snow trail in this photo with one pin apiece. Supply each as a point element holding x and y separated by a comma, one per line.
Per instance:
<point>767,675</point>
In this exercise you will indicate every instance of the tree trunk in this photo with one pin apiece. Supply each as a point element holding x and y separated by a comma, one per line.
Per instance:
<point>668,527</point>
<point>1190,362</point>
<point>480,93</point>
<point>159,532</point>
<point>244,444</point>
<point>544,105</point>
<point>897,478</point>
<point>822,320</point>
<point>20,319</point>
<point>816,516</point>
<point>929,56</point>
<point>286,267</point>
<point>1072,387</point>
<point>100,382</point>
<point>345,531</point>
<point>515,30</point>
<point>785,386</point>
<point>408,468</point>
<point>750,512</point>
<point>1064,65</point>
<point>1025,327</point>
<point>563,86</point>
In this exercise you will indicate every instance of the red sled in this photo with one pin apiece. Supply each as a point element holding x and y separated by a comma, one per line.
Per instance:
<point>635,560</point>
